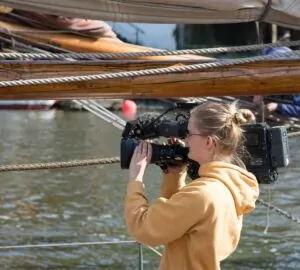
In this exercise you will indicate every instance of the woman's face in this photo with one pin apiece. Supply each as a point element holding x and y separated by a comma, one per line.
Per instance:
<point>201,147</point>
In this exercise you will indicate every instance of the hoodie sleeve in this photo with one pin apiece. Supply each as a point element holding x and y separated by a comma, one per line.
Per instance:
<point>172,183</point>
<point>167,219</point>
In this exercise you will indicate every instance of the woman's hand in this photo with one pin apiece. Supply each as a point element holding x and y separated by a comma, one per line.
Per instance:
<point>175,169</point>
<point>140,159</point>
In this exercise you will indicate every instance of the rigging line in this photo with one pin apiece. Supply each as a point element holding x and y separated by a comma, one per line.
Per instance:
<point>113,116</point>
<point>105,111</point>
<point>58,165</point>
<point>279,211</point>
<point>162,52</point>
<point>102,114</point>
<point>76,244</point>
<point>268,211</point>
<point>66,244</point>
<point>31,41</point>
<point>21,45</point>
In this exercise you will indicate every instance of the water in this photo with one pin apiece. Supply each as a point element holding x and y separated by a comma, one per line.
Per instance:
<point>86,204</point>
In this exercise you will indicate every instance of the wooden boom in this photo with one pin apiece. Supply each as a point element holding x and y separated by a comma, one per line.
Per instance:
<point>264,78</point>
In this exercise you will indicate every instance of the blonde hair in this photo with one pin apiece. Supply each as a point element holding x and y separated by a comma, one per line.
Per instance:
<point>222,121</point>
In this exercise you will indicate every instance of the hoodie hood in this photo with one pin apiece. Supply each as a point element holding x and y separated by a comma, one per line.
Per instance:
<point>241,183</point>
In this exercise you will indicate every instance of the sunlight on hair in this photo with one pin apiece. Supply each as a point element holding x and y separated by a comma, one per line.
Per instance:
<point>222,121</point>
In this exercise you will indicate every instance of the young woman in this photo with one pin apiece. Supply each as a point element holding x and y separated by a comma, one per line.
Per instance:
<point>198,223</point>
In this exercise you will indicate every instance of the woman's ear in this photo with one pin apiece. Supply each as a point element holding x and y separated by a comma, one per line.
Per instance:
<point>210,143</point>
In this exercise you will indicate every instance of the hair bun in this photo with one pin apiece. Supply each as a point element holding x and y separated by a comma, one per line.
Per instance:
<point>243,116</point>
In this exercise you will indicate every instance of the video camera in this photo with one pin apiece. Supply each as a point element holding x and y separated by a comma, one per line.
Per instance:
<point>266,147</point>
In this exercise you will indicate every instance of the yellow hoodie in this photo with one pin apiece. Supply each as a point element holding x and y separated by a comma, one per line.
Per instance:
<point>200,223</point>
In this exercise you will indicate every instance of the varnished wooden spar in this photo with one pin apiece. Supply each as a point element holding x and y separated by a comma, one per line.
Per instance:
<point>265,78</point>
<point>17,70</point>
<point>82,44</point>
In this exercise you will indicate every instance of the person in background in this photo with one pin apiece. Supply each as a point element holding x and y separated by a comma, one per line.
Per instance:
<point>199,223</point>
<point>289,110</point>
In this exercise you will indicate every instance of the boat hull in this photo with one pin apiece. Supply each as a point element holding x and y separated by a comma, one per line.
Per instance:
<point>27,104</point>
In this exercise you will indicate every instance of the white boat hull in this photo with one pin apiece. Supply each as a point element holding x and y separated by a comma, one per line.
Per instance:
<point>27,104</point>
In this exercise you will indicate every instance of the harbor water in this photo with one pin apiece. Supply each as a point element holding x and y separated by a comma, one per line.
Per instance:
<point>85,204</point>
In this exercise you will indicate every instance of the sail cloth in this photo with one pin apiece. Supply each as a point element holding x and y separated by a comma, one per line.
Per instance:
<point>85,27</point>
<point>281,12</point>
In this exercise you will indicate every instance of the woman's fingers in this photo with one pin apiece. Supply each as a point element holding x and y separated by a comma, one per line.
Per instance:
<point>138,149</point>
<point>173,140</point>
<point>149,152</point>
<point>144,148</point>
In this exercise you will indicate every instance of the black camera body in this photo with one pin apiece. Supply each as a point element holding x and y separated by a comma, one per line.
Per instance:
<point>161,154</point>
<point>266,147</point>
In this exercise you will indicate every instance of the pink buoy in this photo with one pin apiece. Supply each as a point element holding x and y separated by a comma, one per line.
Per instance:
<point>129,109</point>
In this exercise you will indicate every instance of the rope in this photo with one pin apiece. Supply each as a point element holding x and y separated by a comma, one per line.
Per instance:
<point>148,53</point>
<point>77,163</point>
<point>266,11</point>
<point>75,244</point>
<point>279,211</point>
<point>98,110</point>
<point>74,163</point>
<point>58,165</point>
<point>262,108</point>
<point>260,201</point>
<point>155,251</point>
<point>32,42</point>
<point>66,244</point>
<point>268,211</point>
<point>156,71</point>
